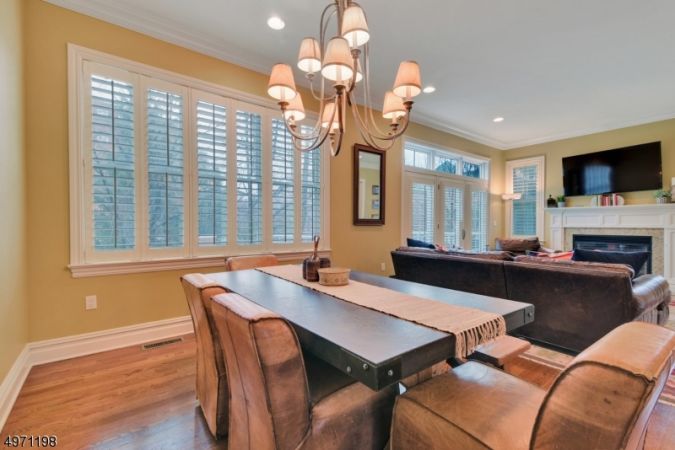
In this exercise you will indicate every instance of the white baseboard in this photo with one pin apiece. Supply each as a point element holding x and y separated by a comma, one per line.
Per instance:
<point>51,350</point>
<point>42,352</point>
<point>11,385</point>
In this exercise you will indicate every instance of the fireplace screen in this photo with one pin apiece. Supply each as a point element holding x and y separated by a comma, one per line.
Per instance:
<point>616,244</point>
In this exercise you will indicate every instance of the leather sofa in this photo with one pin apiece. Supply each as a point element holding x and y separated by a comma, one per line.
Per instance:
<point>575,303</point>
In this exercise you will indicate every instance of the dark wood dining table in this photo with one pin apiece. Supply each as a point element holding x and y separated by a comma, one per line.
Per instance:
<point>374,348</point>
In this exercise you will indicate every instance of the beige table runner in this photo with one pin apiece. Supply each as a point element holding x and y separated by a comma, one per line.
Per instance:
<point>471,327</point>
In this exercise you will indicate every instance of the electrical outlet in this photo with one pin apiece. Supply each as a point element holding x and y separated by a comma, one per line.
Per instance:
<point>383,267</point>
<point>90,302</point>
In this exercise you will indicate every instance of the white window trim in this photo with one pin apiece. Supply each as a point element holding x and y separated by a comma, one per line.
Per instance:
<point>409,173</point>
<point>193,256</point>
<point>540,162</point>
<point>464,156</point>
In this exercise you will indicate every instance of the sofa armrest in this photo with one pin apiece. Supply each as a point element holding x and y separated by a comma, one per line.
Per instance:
<point>650,292</point>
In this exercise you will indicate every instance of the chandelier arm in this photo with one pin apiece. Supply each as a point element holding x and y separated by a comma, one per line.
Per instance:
<point>299,136</point>
<point>364,127</point>
<point>335,150</point>
<point>318,142</point>
<point>369,107</point>
<point>370,136</point>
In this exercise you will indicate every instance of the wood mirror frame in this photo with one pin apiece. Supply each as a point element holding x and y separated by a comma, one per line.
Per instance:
<point>358,148</point>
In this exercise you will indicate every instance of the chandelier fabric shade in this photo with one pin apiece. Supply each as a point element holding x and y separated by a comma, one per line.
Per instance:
<point>282,84</point>
<point>337,64</point>
<point>295,109</point>
<point>309,57</point>
<point>340,65</point>
<point>393,106</point>
<point>354,26</point>
<point>408,82</point>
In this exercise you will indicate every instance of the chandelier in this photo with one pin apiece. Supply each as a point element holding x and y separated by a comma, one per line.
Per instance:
<point>344,73</point>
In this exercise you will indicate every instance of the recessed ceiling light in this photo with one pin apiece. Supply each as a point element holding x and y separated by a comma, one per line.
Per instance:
<point>498,119</point>
<point>276,23</point>
<point>429,89</point>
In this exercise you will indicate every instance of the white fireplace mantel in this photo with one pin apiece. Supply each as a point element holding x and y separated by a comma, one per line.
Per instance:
<point>658,216</point>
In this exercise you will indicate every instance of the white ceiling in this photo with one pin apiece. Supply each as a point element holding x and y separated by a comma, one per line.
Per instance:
<point>553,69</point>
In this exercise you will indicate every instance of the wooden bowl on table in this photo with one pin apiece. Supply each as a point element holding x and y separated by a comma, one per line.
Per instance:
<point>334,276</point>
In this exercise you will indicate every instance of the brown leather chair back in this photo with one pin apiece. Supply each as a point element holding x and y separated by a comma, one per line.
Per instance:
<point>211,375</point>
<point>250,262</point>
<point>270,405</point>
<point>605,396</point>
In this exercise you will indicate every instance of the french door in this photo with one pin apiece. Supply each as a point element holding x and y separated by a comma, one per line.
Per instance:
<point>445,211</point>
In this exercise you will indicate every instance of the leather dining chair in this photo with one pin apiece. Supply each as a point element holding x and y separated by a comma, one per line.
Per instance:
<point>212,390</point>
<point>250,262</point>
<point>282,400</point>
<point>602,400</point>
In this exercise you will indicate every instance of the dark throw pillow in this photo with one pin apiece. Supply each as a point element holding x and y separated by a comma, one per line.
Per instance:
<point>519,246</point>
<point>634,259</point>
<point>415,243</point>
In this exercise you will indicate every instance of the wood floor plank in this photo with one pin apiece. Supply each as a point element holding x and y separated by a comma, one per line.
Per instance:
<point>132,398</point>
<point>126,398</point>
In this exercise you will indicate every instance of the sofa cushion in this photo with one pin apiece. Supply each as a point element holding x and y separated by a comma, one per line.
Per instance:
<point>634,259</point>
<point>417,243</point>
<point>423,250</point>
<point>521,246</point>
<point>621,268</point>
<point>494,255</point>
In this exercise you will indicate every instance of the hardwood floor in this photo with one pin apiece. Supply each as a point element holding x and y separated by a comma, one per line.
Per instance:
<point>126,398</point>
<point>133,398</point>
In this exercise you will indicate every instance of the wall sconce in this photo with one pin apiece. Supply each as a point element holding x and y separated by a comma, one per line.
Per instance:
<point>514,196</point>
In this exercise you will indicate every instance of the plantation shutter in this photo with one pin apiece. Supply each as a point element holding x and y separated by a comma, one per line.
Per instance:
<point>479,220</point>
<point>283,197</point>
<point>422,220</point>
<point>310,192</point>
<point>211,121</point>
<point>249,178</point>
<point>453,215</point>
<point>524,222</point>
<point>164,128</point>
<point>112,160</point>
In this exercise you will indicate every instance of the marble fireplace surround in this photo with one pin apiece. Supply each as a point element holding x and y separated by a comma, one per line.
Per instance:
<point>657,221</point>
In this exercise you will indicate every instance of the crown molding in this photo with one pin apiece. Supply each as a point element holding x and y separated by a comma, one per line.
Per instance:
<point>156,28</point>
<point>166,31</point>
<point>610,126</point>
<point>431,122</point>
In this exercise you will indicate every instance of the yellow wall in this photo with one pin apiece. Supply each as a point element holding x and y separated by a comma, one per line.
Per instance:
<point>13,304</point>
<point>663,131</point>
<point>365,247</point>
<point>56,299</point>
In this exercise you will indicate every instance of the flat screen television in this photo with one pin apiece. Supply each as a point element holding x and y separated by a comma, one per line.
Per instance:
<point>635,168</point>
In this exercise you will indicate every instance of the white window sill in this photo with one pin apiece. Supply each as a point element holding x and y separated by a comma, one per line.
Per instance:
<point>120,268</point>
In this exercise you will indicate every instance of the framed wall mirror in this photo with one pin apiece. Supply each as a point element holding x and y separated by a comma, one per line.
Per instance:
<point>369,185</point>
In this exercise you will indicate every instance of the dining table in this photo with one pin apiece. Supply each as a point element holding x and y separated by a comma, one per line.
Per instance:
<point>370,346</point>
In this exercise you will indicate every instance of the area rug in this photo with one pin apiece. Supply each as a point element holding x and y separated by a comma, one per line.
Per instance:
<point>559,361</point>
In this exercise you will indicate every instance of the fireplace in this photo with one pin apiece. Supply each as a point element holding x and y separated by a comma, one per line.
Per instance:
<point>618,243</point>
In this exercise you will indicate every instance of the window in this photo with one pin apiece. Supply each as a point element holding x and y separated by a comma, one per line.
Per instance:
<point>311,194</point>
<point>446,199</point>
<point>423,211</point>
<point>249,178</point>
<point>211,134</point>
<point>525,216</point>
<point>423,156</point>
<point>113,189</point>
<point>164,120</point>
<point>168,167</point>
<point>283,184</point>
